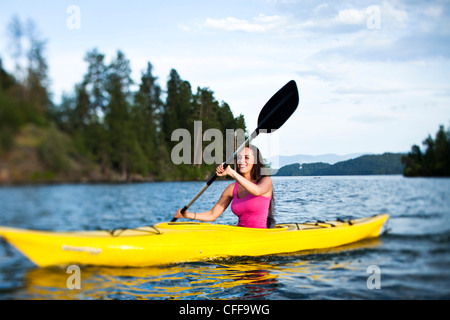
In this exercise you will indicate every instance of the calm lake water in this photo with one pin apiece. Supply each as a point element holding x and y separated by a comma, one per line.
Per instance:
<point>413,255</point>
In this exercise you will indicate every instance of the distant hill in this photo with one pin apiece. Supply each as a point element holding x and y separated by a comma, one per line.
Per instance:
<point>387,163</point>
<point>280,161</point>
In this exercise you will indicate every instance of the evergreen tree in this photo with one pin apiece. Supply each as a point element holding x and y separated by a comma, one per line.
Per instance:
<point>82,112</point>
<point>442,152</point>
<point>146,111</point>
<point>225,117</point>
<point>10,115</point>
<point>177,111</point>
<point>32,80</point>
<point>37,80</point>
<point>24,97</point>
<point>94,83</point>
<point>436,159</point>
<point>125,151</point>
<point>91,99</point>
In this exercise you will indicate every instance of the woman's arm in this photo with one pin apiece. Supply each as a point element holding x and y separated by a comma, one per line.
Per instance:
<point>263,188</point>
<point>211,215</point>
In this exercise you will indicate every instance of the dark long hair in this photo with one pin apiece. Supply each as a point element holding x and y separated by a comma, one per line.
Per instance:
<point>256,175</point>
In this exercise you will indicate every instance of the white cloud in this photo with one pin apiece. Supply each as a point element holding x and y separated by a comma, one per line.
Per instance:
<point>261,23</point>
<point>351,16</point>
<point>433,11</point>
<point>398,13</point>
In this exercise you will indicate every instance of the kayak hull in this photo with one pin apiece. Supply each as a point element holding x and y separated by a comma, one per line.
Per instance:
<point>167,243</point>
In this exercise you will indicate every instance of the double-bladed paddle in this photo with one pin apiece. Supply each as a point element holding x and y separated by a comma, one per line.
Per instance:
<point>272,116</point>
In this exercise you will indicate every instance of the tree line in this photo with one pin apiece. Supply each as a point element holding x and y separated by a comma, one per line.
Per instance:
<point>434,161</point>
<point>387,163</point>
<point>24,97</point>
<point>123,127</point>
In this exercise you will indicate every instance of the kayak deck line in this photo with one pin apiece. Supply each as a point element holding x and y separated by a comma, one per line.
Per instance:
<point>178,242</point>
<point>118,231</point>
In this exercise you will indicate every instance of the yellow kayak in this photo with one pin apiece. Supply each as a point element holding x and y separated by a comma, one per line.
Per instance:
<point>167,243</point>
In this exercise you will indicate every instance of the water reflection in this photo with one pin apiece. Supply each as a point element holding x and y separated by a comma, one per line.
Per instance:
<point>187,281</point>
<point>256,278</point>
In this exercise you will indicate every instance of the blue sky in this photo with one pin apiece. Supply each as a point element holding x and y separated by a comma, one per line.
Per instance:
<point>373,76</point>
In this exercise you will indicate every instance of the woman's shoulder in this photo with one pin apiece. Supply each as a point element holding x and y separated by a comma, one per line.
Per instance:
<point>265,183</point>
<point>265,179</point>
<point>230,189</point>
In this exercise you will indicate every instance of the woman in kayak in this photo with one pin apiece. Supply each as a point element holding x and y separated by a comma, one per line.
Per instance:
<point>251,196</point>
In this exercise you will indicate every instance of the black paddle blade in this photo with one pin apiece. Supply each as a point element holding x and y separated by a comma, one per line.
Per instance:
<point>279,108</point>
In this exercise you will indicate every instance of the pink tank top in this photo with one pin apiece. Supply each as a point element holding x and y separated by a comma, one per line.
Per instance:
<point>251,210</point>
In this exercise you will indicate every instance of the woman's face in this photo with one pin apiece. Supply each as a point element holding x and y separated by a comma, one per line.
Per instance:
<point>245,160</point>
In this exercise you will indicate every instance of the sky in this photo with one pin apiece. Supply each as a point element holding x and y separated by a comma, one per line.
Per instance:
<point>373,76</point>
